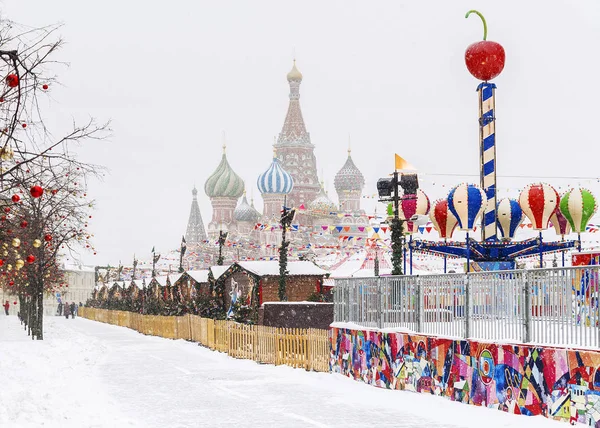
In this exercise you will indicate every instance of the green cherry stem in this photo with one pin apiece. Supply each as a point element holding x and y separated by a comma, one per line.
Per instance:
<point>482,19</point>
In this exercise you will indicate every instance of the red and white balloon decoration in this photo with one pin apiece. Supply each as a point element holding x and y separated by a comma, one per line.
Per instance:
<point>539,201</point>
<point>443,220</point>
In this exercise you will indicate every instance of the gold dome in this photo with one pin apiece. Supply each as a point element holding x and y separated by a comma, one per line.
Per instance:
<point>294,74</point>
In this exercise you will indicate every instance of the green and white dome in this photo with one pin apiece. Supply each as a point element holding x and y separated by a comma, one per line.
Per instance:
<point>224,182</point>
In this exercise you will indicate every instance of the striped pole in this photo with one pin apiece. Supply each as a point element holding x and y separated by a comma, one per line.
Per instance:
<point>487,147</point>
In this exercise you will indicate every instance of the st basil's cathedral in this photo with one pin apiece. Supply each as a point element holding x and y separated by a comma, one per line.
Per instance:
<point>320,227</point>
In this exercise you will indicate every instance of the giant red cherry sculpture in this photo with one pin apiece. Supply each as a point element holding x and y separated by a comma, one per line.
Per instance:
<point>485,59</point>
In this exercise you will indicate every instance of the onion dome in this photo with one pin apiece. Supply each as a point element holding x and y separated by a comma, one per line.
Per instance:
<point>224,182</point>
<point>275,180</point>
<point>294,74</point>
<point>246,212</point>
<point>322,204</point>
<point>349,178</point>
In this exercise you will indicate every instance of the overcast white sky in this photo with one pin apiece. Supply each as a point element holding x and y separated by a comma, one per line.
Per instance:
<point>173,75</point>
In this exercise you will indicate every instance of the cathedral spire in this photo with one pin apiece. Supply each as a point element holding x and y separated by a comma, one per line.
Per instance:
<point>195,232</point>
<point>294,129</point>
<point>294,149</point>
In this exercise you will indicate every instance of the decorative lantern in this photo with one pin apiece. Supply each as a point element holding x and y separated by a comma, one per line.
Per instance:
<point>560,222</point>
<point>467,202</point>
<point>409,206</point>
<point>578,206</point>
<point>510,217</point>
<point>538,202</point>
<point>443,220</point>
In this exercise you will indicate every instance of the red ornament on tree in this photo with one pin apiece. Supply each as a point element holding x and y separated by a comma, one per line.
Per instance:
<point>36,191</point>
<point>485,59</point>
<point>47,237</point>
<point>14,303</point>
<point>24,126</point>
<point>16,198</point>
<point>12,80</point>
<point>6,210</point>
<point>30,258</point>
<point>24,224</point>
<point>54,191</point>
<point>44,87</point>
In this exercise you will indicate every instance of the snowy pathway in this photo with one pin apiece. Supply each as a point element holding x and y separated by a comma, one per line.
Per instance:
<point>88,374</point>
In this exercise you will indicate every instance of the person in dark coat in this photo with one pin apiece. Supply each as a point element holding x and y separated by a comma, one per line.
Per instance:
<point>73,309</point>
<point>67,310</point>
<point>60,308</point>
<point>6,307</point>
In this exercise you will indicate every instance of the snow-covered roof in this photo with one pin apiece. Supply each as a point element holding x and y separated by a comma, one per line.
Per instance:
<point>174,277</point>
<point>199,275</point>
<point>271,268</point>
<point>217,271</point>
<point>138,283</point>
<point>162,280</point>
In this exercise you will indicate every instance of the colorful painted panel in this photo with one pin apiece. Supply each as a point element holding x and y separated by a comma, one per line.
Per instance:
<point>556,383</point>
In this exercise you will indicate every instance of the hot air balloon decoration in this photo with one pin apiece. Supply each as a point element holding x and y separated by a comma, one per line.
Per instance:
<point>560,223</point>
<point>538,202</point>
<point>443,220</point>
<point>467,203</point>
<point>409,206</point>
<point>578,206</point>
<point>510,217</point>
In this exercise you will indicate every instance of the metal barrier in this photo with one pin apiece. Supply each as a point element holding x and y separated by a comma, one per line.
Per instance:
<point>557,306</point>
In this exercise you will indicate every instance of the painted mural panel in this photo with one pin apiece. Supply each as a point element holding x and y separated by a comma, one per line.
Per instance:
<point>556,383</point>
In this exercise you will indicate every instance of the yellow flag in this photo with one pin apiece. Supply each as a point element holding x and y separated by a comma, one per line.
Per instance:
<point>402,164</point>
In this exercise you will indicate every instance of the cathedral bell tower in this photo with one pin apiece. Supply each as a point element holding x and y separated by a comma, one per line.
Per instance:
<point>294,149</point>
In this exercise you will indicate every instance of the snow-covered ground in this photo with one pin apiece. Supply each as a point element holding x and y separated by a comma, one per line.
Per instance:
<point>88,374</point>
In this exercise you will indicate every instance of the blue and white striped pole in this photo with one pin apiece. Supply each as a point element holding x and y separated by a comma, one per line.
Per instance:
<point>487,138</point>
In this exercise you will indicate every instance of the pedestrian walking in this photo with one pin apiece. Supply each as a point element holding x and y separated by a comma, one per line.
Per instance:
<point>6,307</point>
<point>73,309</point>
<point>67,310</point>
<point>60,308</point>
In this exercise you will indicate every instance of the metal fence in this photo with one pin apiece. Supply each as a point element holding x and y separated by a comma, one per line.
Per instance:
<point>547,306</point>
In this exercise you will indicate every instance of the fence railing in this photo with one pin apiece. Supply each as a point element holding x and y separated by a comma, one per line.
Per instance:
<point>295,347</point>
<point>556,306</point>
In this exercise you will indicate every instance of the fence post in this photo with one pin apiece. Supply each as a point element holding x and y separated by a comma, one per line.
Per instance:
<point>527,318</point>
<point>379,303</point>
<point>420,303</point>
<point>467,306</point>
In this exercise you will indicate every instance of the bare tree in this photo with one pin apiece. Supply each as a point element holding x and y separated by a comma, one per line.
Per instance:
<point>42,184</point>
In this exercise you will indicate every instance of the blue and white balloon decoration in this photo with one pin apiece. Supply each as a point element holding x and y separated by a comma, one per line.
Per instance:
<point>510,217</point>
<point>467,202</point>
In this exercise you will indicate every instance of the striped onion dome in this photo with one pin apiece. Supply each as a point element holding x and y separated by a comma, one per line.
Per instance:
<point>224,182</point>
<point>322,204</point>
<point>275,180</point>
<point>349,178</point>
<point>246,212</point>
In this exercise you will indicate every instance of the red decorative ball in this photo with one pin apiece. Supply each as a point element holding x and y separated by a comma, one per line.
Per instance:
<point>12,80</point>
<point>30,258</point>
<point>36,191</point>
<point>24,224</point>
<point>3,218</point>
<point>485,59</point>
<point>14,303</point>
<point>16,198</point>
<point>44,87</point>
<point>11,283</point>
<point>54,191</point>
<point>1,262</point>
<point>47,237</point>
<point>24,125</point>
<point>6,210</point>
